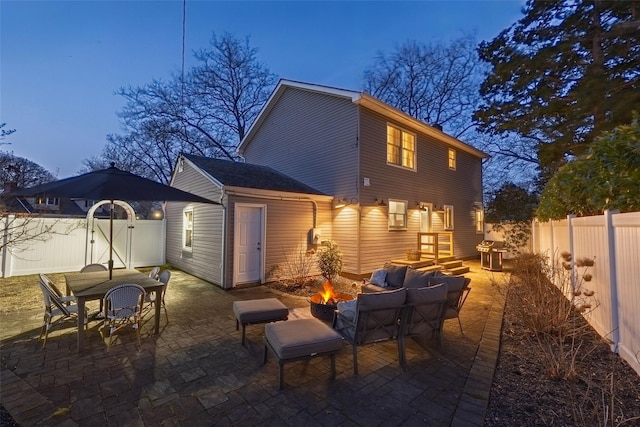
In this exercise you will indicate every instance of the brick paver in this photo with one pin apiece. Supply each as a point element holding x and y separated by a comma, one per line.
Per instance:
<point>196,372</point>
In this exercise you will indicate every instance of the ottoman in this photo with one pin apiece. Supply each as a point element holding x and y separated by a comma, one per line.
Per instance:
<point>301,339</point>
<point>256,311</point>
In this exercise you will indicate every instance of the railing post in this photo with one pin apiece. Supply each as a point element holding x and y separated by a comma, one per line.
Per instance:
<point>613,278</point>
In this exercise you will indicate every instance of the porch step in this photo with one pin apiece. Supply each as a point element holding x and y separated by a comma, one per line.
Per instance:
<point>457,270</point>
<point>451,265</point>
<point>430,268</point>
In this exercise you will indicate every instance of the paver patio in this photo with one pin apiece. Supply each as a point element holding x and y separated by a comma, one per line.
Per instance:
<point>196,372</point>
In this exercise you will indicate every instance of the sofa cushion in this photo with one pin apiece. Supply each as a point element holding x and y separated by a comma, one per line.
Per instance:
<point>379,278</point>
<point>347,308</point>
<point>395,275</point>
<point>387,299</point>
<point>416,279</point>
<point>455,285</point>
<point>428,294</point>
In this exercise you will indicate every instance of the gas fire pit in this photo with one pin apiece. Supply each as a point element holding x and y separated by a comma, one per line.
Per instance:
<point>324,303</point>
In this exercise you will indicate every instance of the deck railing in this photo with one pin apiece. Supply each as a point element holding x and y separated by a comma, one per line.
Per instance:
<point>436,245</point>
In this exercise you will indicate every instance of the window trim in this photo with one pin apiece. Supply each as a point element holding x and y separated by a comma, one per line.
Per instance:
<point>186,228</point>
<point>415,148</point>
<point>48,201</point>
<point>479,219</point>
<point>452,159</point>
<point>406,215</point>
<point>447,216</point>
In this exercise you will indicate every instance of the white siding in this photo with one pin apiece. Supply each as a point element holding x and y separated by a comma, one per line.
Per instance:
<point>205,260</point>
<point>313,138</point>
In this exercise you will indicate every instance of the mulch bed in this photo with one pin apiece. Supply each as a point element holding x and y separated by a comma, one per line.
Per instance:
<point>605,392</point>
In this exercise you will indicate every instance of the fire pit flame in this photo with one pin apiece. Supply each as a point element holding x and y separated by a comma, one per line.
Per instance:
<point>324,302</point>
<point>328,295</point>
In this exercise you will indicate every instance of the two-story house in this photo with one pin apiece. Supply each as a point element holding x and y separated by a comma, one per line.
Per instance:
<point>378,183</point>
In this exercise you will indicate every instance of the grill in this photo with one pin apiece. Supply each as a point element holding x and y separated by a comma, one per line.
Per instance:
<point>491,254</point>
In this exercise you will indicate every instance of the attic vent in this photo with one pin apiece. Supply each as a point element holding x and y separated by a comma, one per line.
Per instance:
<point>181,165</point>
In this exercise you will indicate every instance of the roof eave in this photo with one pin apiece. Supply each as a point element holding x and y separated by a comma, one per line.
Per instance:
<point>277,193</point>
<point>371,103</point>
<point>282,85</point>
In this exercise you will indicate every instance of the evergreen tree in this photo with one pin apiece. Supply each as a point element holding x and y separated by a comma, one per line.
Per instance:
<point>568,70</point>
<point>606,177</point>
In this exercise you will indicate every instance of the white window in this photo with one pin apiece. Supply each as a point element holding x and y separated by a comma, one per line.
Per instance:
<point>187,226</point>
<point>479,220</point>
<point>398,214</point>
<point>401,147</point>
<point>48,201</point>
<point>452,159</point>
<point>448,217</point>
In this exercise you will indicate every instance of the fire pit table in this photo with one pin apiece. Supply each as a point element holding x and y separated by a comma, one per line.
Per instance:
<point>324,303</point>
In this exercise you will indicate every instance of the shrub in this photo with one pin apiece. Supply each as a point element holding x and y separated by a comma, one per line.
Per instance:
<point>551,301</point>
<point>330,261</point>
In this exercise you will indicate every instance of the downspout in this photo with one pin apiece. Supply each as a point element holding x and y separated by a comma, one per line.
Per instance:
<point>225,241</point>
<point>359,212</point>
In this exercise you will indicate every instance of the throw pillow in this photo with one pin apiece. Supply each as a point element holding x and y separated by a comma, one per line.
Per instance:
<point>395,275</point>
<point>416,279</point>
<point>379,277</point>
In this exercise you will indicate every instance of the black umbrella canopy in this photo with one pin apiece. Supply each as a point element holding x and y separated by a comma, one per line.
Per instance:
<point>111,184</point>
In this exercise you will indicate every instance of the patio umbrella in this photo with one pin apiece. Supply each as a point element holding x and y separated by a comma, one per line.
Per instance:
<point>111,184</point>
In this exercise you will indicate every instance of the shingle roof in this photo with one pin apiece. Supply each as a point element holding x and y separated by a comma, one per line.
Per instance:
<point>247,175</point>
<point>21,205</point>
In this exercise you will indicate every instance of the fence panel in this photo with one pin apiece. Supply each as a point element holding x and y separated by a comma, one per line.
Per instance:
<point>589,241</point>
<point>627,265</point>
<point>615,281</point>
<point>67,248</point>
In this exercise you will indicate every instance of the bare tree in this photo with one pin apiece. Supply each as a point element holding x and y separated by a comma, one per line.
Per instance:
<point>21,172</point>
<point>434,82</point>
<point>4,133</point>
<point>206,113</point>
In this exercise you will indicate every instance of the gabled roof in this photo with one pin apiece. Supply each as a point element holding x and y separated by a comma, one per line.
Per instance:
<point>245,175</point>
<point>359,98</point>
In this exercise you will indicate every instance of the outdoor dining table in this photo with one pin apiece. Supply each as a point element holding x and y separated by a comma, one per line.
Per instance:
<point>94,285</point>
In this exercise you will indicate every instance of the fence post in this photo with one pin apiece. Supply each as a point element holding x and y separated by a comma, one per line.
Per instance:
<point>533,236</point>
<point>570,218</point>
<point>613,278</point>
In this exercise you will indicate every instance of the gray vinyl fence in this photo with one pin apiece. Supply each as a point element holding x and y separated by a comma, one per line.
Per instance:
<point>613,239</point>
<point>58,245</point>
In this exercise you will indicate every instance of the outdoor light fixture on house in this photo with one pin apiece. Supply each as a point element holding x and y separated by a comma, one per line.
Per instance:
<point>379,202</point>
<point>341,203</point>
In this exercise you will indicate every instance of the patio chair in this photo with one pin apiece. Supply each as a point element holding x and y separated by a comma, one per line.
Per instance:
<point>122,307</point>
<point>423,315</point>
<point>375,317</point>
<point>458,291</point>
<point>93,267</point>
<point>154,273</point>
<point>54,307</point>
<point>53,288</point>
<point>150,299</point>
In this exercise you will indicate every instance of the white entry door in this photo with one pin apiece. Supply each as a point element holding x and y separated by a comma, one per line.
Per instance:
<point>248,244</point>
